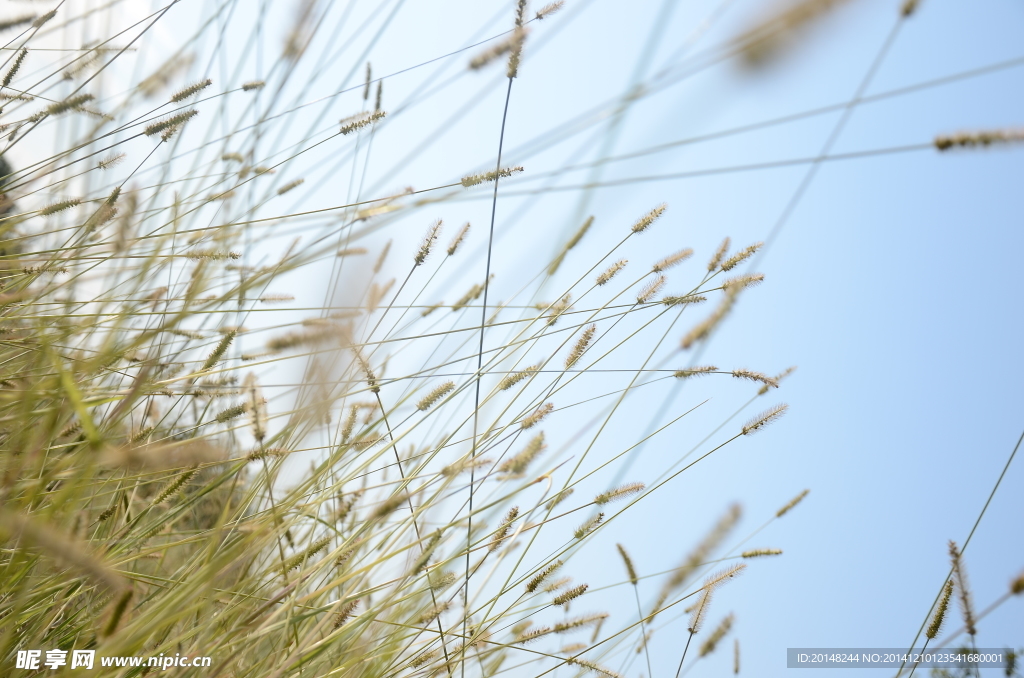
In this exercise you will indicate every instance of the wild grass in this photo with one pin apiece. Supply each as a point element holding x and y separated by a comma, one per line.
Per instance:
<point>197,462</point>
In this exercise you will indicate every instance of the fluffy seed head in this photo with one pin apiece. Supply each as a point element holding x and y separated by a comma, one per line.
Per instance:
<point>175,485</point>
<point>650,290</point>
<point>435,395</point>
<point>253,85</point>
<point>759,377</point>
<point>963,590</point>
<point>610,272</point>
<point>38,23</point>
<point>13,71</point>
<point>186,92</point>
<point>630,570</point>
<point>559,498</point>
<point>588,527</point>
<point>518,464</point>
<point>672,260</point>
<point>571,594</point>
<point>534,584</point>
<point>646,220</point>
<point>792,503</point>
<point>494,175</point>
<point>581,346</point>
<point>549,9</point>
<point>74,103</point>
<point>702,330</point>
<point>290,185</point>
<point>699,371</point>
<point>502,532</point>
<point>591,666</point>
<point>621,492</point>
<point>741,256</point>
<point>538,416</point>
<point>345,613</point>
<point>765,418</point>
<point>719,255</point>
<point>716,636</point>
<point>428,241</point>
<point>496,51</point>
<point>511,380</point>
<point>742,282</point>
<point>357,122</point>
<point>457,241</point>
<point>60,206</point>
<point>758,553</point>
<point>173,122</point>
<point>979,139</point>
<point>935,625</point>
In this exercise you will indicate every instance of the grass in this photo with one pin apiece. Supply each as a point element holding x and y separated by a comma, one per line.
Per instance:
<point>202,458</point>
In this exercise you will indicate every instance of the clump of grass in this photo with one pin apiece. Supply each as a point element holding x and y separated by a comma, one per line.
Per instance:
<point>177,496</point>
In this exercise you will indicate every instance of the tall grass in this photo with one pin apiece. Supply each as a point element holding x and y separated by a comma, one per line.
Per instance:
<point>395,480</point>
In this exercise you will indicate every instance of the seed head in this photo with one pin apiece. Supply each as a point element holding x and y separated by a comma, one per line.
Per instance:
<point>38,23</point>
<point>173,122</point>
<point>963,590</point>
<point>792,503</point>
<point>511,380</point>
<point>502,532</point>
<point>189,91</point>
<point>698,371</point>
<point>219,351</point>
<point>571,594</point>
<point>290,185</point>
<point>559,498</point>
<point>741,256</point>
<point>630,570</point>
<point>549,9</point>
<point>588,527</point>
<point>758,553</point>
<point>496,51</point>
<point>74,103</point>
<point>494,175</point>
<point>435,395</point>
<point>60,206</point>
<point>643,222</point>
<point>940,612</point>
<point>621,492</point>
<point>534,584</point>
<point>672,260</point>
<point>581,346</point>
<point>610,272</point>
<point>345,613</point>
<point>428,241</point>
<point>719,255</point>
<point>979,139</point>
<point>538,416</point>
<point>765,418</point>
<point>175,485</point>
<point>357,122</point>
<point>756,376</point>
<point>457,241</point>
<point>742,282</point>
<point>13,71</point>
<point>518,464</point>
<point>716,636</point>
<point>651,289</point>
